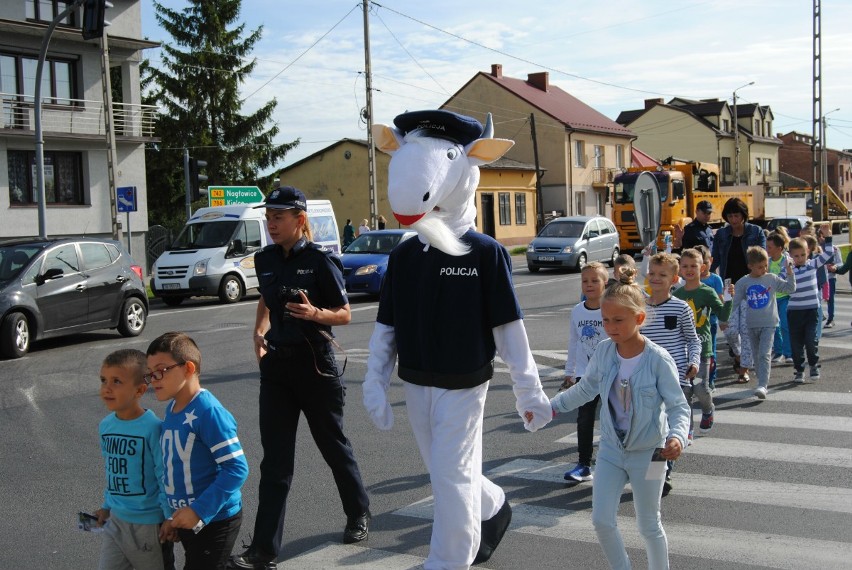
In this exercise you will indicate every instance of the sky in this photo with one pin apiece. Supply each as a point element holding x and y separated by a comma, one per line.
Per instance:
<point>611,54</point>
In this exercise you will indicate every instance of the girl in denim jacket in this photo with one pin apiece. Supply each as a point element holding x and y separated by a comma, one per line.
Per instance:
<point>644,421</point>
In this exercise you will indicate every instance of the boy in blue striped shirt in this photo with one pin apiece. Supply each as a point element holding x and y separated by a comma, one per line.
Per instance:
<point>803,307</point>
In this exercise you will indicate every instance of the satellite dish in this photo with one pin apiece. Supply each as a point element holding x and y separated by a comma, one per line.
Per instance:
<point>646,203</point>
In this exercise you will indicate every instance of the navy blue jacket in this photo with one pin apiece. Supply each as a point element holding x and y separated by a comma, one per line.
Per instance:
<point>753,235</point>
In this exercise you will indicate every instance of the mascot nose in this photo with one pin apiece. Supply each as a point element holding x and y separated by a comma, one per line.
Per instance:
<point>407,220</point>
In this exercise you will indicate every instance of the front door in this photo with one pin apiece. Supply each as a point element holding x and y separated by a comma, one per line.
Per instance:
<point>488,214</point>
<point>63,301</point>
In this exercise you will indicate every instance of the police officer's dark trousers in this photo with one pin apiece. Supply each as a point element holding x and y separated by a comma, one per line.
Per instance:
<point>289,386</point>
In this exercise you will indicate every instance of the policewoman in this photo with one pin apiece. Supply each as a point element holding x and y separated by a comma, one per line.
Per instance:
<point>302,296</point>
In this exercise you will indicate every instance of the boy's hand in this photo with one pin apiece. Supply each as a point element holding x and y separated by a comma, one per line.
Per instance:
<point>691,371</point>
<point>731,290</point>
<point>168,533</point>
<point>103,515</point>
<point>831,268</point>
<point>185,517</point>
<point>673,448</point>
<point>790,268</point>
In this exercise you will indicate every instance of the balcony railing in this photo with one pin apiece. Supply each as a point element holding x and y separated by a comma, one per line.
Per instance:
<point>602,176</point>
<point>76,116</point>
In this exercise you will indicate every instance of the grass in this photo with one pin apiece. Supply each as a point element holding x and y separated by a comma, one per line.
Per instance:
<point>518,250</point>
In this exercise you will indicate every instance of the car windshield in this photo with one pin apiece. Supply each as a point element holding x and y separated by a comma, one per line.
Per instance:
<point>625,186</point>
<point>205,234</point>
<point>563,229</point>
<point>13,260</point>
<point>373,243</point>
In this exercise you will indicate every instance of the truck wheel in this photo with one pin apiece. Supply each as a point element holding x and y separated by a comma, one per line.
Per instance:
<point>133,317</point>
<point>231,289</point>
<point>14,336</point>
<point>172,301</point>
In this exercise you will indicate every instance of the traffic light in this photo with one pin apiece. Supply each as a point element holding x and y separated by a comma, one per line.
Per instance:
<point>196,178</point>
<point>93,18</point>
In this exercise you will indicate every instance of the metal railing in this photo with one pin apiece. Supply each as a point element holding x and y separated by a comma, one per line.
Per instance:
<point>602,175</point>
<point>76,116</point>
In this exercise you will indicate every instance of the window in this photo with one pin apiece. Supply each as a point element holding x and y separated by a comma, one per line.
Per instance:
<point>64,258</point>
<point>505,209</point>
<point>619,156</point>
<point>726,165</point>
<point>757,165</point>
<point>47,10</point>
<point>757,125</point>
<point>63,177</point>
<point>599,156</point>
<point>579,154</point>
<point>18,73</point>
<point>767,166</point>
<point>726,125</point>
<point>520,208</point>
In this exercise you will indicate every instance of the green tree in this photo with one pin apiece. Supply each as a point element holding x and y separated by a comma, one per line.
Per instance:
<point>196,87</point>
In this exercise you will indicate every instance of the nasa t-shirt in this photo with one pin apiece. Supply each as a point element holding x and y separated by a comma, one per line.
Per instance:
<point>759,294</point>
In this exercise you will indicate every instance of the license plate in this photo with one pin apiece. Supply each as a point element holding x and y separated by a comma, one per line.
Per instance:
<point>171,285</point>
<point>546,258</point>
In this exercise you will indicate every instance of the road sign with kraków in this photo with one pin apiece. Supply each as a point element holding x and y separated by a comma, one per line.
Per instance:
<point>227,195</point>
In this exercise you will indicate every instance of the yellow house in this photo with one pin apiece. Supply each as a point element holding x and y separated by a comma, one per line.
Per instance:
<point>579,147</point>
<point>505,199</point>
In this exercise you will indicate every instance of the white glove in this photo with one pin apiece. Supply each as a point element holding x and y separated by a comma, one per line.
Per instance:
<point>513,347</point>
<point>380,365</point>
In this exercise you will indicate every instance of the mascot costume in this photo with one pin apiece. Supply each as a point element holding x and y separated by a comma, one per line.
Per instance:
<point>447,305</point>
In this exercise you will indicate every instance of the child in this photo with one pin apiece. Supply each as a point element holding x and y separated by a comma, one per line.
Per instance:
<point>134,506</point>
<point>831,284</point>
<point>715,282</point>
<point>757,289</point>
<point>618,265</point>
<point>843,269</point>
<point>814,250</point>
<point>204,465</point>
<point>584,334</point>
<point>645,422</point>
<point>802,309</point>
<point>776,244</point>
<point>703,301</point>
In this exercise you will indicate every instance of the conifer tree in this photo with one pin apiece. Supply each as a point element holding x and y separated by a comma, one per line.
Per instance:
<point>196,85</point>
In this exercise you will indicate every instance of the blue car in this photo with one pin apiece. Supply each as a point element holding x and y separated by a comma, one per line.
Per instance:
<point>365,260</point>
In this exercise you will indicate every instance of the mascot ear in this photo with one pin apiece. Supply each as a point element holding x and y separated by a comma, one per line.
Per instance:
<point>483,151</point>
<point>387,139</point>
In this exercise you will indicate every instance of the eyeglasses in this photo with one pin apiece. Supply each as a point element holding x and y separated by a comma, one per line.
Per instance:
<point>158,374</point>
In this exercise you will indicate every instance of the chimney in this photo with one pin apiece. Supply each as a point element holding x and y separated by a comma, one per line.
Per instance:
<point>651,102</point>
<point>497,70</point>
<point>539,80</point>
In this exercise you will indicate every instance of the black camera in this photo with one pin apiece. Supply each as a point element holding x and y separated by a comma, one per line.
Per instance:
<point>287,294</point>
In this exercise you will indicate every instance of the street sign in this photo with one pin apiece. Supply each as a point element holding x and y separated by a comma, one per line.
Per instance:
<point>125,199</point>
<point>227,195</point>
<point>646,204</point>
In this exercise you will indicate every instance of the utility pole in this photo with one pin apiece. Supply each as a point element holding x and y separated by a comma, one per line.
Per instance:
<point>371,152</point>
<point>737,133</point>
<point>539,207</point>
<point>818,146</point>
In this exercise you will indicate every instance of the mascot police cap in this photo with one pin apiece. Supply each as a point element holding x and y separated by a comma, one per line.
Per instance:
<point>285,198</point>
<point>441,124</point>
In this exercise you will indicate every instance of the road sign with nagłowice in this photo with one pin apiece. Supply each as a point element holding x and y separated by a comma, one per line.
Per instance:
<point>227,195</point>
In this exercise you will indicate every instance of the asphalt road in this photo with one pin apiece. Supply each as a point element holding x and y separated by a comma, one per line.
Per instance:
<point>770,487</point>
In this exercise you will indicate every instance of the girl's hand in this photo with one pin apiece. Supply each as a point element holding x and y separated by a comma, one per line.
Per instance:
<point>673,448</point>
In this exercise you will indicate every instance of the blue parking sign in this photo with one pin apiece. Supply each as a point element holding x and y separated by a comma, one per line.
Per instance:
<point>126,198</point>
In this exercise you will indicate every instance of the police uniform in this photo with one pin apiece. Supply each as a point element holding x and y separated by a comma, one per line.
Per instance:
<point>298,375</point>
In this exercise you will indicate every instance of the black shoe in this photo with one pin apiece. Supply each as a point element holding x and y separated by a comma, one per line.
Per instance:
<point>492,533</point>
<point>667,486</point>
<point>253,559</point>
<point>357,529</point>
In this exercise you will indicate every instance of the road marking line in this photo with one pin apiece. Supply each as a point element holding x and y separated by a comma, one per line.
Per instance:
<point>333,555</point>
<point>804,396</point>
<point>769,451</point>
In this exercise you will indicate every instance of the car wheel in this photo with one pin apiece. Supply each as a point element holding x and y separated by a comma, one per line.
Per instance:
<point>14,336</point>
<point>581,262</point>
<point>133,317</point>
<point>231,289</point>
<point>615,254</point>
<point>533,268</point>
<point>173,301</point>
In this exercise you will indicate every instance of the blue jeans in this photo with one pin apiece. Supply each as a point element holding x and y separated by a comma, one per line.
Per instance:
<point>781,342</point>
<point>803,327</point>
<point>614,468</point>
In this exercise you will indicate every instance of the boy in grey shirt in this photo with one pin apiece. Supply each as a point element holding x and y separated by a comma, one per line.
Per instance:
<point>758,289</point>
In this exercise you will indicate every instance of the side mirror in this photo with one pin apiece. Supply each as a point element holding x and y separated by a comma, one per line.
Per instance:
<point>238,247</point>
<point>53,273</point>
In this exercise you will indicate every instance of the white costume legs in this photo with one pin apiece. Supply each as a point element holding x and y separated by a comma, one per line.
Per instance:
<point>448,427</point>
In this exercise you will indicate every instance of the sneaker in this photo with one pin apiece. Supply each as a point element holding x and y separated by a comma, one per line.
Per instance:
<point>814,373</point>
<point>780,359</point>
<point>357,528</point>
<point>799,377</point>
<point>253,559</point>
<point>829,324</point>
<point>667,486</point>
<point>579,473</point>
<point>760,393</point>
<point>706,422</point>
<point>689,438</point>
<point>789,360</point>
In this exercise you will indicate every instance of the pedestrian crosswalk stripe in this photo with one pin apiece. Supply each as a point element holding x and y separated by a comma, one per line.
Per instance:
<point>799,394</point>
<point>335,555</point>
<point>696,541</point>
<point>769,451</point>
<point>793,495</point>
<point>794,421</point>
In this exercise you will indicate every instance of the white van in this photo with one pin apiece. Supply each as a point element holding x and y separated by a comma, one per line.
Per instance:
<point>214,253</point>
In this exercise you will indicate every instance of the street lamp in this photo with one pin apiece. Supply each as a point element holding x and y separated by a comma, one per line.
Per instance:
<point>737,133</point>
<point>820,198</point>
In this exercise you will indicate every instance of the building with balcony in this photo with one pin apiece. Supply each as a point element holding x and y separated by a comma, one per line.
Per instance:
<point>77,187</point>
<point>704,131</point>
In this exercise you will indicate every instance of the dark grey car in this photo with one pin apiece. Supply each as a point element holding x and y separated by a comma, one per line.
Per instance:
<point>54,287</point>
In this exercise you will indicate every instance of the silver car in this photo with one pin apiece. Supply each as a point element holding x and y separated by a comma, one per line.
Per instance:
<point>572,242</point>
